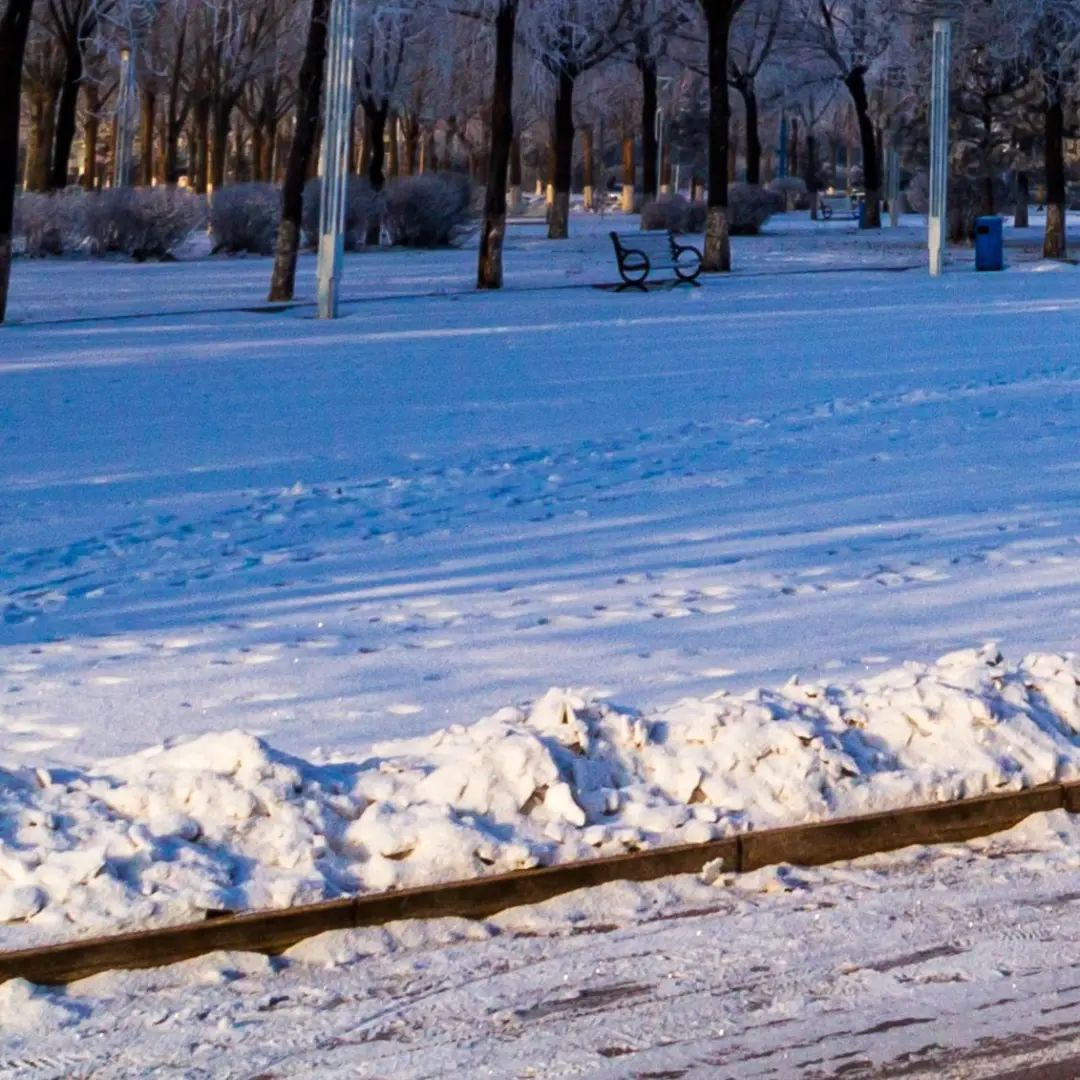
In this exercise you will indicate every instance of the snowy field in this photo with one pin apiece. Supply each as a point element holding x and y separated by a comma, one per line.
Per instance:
<point>438,506</point>
<point>376,544</point>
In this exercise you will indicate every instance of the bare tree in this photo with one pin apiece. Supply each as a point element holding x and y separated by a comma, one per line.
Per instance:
<point>718,18</point>
<point>855,36</point>
<point>14,27</point>
<point>753,37</point>
<point>309,93</point>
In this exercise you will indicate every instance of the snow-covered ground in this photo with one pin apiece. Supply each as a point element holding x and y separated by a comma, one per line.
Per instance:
<point>441,505</point>
<point>333,536</point>
<point>942,963</point>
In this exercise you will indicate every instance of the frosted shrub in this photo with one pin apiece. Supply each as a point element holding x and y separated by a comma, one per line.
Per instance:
<point>429,210</point>
<point>918,193</point>
<point>749,207</point>
<point>362,208</point>
<point>675,214</point>
<point>792,189</point>
<point>145,223</point>
<point>244,218</point>
<point>50,224</point>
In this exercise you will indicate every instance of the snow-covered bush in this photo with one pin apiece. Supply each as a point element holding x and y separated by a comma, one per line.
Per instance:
<point>363,206</point>
<point>244,218</point>
<point>792,189</point>
<point>918,193</point>
<point>429,210</point>
<point>749,207</point>
<point>675,214</point>
<point>145,223</point>
<point>50,224</point>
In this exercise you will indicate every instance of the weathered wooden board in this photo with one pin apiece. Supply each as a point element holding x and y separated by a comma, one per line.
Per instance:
<point>274,931</point>
<point>851,838</point>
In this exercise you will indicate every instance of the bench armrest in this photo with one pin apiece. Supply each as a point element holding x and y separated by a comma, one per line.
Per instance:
<point>685,247</point>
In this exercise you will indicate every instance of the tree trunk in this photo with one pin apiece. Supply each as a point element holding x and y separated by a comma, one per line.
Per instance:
<point>628,174</point>
<point>393,160</point>
<point>649,98</point>
<point>308,93</point>
<point>220,143</point>
<point>91,125</point>
<point>559,220</point>
<point>65,117</point>
<point>753,131</point>
<point>171,155</point>
<point>410,131</point>
<point>148,105</point>
<point>588,179</point>
<point>515,175</point>
<point>450,135</point>
<point>718,16</point>
<point>490,265</point>
<point>427,151</point>
<point>856,84</point>
<point>200,137</point>
<point>14,25</point>
<point>376,130</point>
<point>258,153</point>
<point>376,134</point>
<point>40,138</point>
<point>1021,219</point>
<point>479,162</point>
<point>313,159</point>
<point>810,171</point>
<point>1054,244</point>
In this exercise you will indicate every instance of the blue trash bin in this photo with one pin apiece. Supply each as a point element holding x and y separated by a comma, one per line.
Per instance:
<point>989,243</point>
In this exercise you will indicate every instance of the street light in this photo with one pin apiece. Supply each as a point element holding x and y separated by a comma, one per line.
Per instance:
<point>122,152</point>
<point>662,84</point>
<point>335,156</point>
<point>943,13</point>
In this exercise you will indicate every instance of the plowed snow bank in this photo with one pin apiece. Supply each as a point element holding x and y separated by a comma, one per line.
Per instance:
<point>228,822</point>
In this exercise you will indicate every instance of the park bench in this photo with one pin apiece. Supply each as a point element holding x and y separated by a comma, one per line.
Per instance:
<point>640,254</point>
<point>830,206</point>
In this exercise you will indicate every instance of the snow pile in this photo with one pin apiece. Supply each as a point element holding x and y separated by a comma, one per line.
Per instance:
<point>225,822</point>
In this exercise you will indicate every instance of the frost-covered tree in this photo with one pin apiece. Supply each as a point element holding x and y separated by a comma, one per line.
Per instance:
<point>1051,30</point>
<point>568,38</point>
<point>308,94</point>
<point>718,15</point>
<point>754,34</point>
<point>855,36</point>
<point>387,31</point>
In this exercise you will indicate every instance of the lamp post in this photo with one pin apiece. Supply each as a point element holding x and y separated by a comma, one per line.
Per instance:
<point>124,96</point>
<point>943,13</point>
<point>335,156</point>
<point>662,83</point>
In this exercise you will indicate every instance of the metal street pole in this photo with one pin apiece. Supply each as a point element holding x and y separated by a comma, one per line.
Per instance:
<point>335,156</point>
<point>124,97</point>
<point>939,143</point>
<point>662,84</point>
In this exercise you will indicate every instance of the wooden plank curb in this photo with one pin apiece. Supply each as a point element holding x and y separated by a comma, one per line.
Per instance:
<point>273,932</point>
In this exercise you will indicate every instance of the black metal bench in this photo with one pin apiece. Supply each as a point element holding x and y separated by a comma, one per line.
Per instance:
<point>640,254</point>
